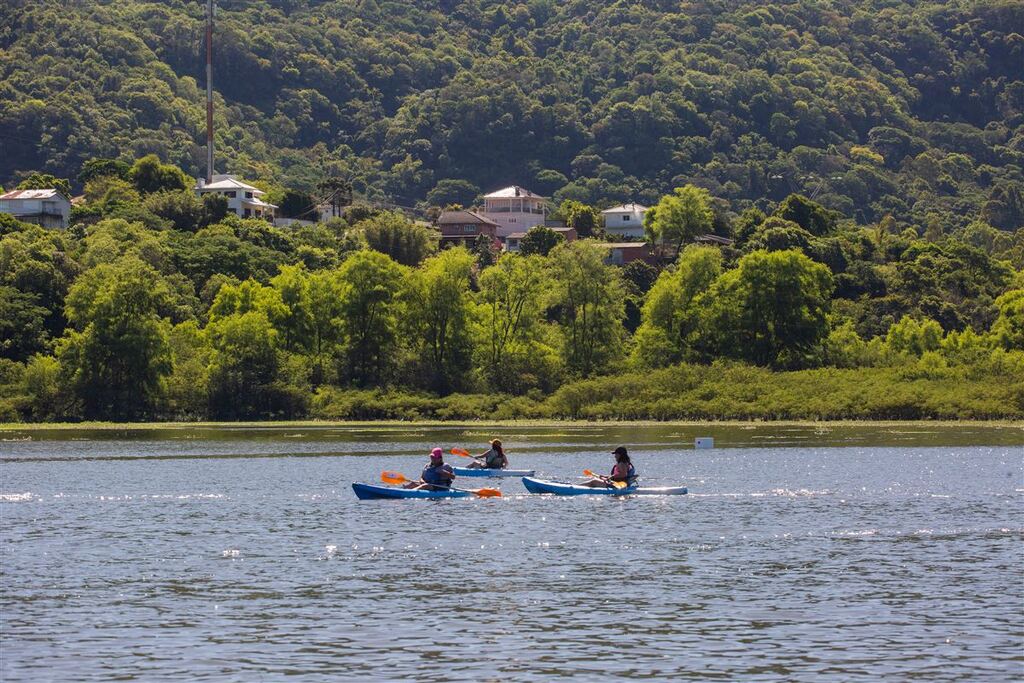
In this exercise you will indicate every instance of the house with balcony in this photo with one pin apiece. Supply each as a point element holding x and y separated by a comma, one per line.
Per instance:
<point>48,208</point>
<point>243,199</point>
<point>464,227</point>
<point>625,221</point>
<point>514,209</point>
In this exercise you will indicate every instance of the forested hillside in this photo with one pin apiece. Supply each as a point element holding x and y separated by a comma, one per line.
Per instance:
<point>872,107</point>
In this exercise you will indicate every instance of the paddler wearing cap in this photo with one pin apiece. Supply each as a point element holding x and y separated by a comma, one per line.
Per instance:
<point>493,459</point>
<point>436,476</point>
<point>622,470</point>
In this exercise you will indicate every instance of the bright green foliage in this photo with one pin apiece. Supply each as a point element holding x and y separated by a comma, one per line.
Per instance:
<point>117,353</point>
<point>97,168</point>
<point>671,315</point>
<point>679,217</point>
<point>45,181</point>
<point>1008,329</point>
<point>391,233</point>
<point>589,297</point>
<point>293,318</point>
<point>511,324</point>
<point>368,286</point>
<point>914,337</point>
<point>585,219</point>
<point>771,310</point>
<point>436,318</point>
<point>244,368</point>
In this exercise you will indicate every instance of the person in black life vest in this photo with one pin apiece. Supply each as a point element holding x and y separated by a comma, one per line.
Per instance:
<point>622,470</point>
<point>437,476</point>
<point>493,459</point>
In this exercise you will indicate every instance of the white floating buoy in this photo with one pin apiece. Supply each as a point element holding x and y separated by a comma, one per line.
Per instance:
<point>704,442</point>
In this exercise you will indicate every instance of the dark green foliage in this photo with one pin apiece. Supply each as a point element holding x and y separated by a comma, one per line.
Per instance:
<point>97,168</point>
<point>297,204</point>
<point>539,240</point>
<point>870,108</point>
<point>22,329</point>
<point>45,181</point>
<point>149,175</point>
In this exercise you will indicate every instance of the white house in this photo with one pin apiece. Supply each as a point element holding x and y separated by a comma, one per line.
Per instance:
<point>48,208</point>
<point>514,209</point>
<point>625,221</point>
<point>243,199</point>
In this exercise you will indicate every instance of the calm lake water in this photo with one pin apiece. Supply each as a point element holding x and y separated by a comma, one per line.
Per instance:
<point>801,554</point>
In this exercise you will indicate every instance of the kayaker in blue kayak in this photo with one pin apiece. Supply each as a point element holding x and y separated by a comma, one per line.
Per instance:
<point>622,470</point>
<point>494,459</point>
<point>436,476</point>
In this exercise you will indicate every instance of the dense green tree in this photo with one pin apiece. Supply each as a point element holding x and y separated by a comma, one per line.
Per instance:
<point>511,298</point>
<point>1008,329</point>
<point>99,167</point>
<point>437,316</point>
<point>671,315</point>
<point>149,175</point>
<point>369,284</point>
<point>116,354</point>
<point>589,297</point>
<point>770,310</point>
<point>585,219</point>
<point>680,216</point>
<point>22,324</point>
<point>391,233</point>
<point>539,240</point>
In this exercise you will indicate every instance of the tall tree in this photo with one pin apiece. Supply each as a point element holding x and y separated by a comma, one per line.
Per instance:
<point>436,316</point>
<point>770,310</point>
<point>680,216</point>
<point>511,307</point>
<point>589,298</point>
<point>117,354</point>
<point>368,287</point>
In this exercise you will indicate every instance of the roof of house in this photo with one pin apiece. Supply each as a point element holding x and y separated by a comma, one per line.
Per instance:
<point>462,217</point>
<point>715,239</point>
<point>622,245</point>
<point>516,236</point>
<point>33,194</point>
<point>512,191</point>
<point>257,202</point>
<point>625,207</point>
<point>558,229</point>
<point>227,182</point>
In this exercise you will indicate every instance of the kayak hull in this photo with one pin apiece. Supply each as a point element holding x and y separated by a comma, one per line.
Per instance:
<point>488,472</point>
<point>375,492</point>
<point>560,489</point>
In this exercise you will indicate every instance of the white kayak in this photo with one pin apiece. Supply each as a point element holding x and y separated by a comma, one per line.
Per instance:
<point>561,489</point>
<point>489,472</point>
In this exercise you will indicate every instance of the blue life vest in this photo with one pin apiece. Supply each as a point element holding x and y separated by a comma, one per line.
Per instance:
<point>432,475</point>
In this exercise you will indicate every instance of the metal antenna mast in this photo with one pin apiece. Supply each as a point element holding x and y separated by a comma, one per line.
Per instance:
<point>209,91</point>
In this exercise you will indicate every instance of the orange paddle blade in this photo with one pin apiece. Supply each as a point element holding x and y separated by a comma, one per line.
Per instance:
<point>393,478</point>
<point>588,473</point>
<point>461,451</point>
<point>488,493</point>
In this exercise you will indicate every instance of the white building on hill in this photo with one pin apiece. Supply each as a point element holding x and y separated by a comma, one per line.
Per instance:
<point>243,199</point>
<point>514,209</point>
<point>625,221</point>
<point>48,208</point>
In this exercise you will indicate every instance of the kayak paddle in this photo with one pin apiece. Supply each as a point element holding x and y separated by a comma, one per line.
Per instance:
<point>397,478</point>
<point>616,484</point>
<point>464,453</point>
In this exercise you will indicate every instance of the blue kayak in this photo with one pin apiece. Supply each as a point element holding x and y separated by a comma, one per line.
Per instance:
<point>489,472</point>
<point>377,492</point>
<point>560,489</point>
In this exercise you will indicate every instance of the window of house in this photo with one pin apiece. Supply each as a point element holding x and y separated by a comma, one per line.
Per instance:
<point>248,195</point>
<point>468,228</point>
<point>230,194</point>
<point>625,217</point>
